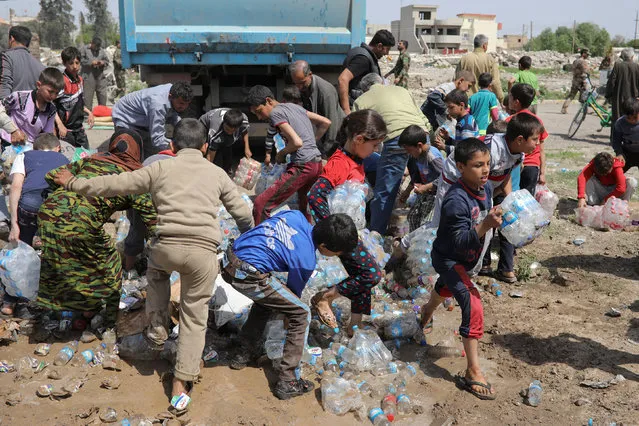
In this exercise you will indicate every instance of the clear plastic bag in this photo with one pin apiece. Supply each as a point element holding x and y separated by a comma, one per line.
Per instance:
<point>350,198</point>
<point>340,396</point>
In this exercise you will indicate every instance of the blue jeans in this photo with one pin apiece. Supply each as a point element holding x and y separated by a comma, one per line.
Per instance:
<point>390,171</point>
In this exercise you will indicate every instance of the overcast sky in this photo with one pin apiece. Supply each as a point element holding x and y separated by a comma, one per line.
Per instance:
<point>513,14</point>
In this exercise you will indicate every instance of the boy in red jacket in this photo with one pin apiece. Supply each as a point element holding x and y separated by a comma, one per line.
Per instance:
<point>603,178</point>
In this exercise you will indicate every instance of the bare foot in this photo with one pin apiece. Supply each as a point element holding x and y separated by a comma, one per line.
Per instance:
<point>7,308</point>
<point>179,387</point>
<point>427,321</point>
<point>478,376</point>
<point>322,304</point>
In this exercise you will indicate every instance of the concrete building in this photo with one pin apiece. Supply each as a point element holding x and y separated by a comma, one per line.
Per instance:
<point>478,23</point>
<point>515,41</point>
<point>419,25</point>
<point>425,32</point>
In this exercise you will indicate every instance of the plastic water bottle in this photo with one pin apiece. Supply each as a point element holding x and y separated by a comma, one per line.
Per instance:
<point>365,388</point>
<point>534,393</point>
<point>122,225</point>
<point>82,359</point>
<point>391,368</point>
<point>66,318</point>
<point>378,418</point>
<point>330,363</point>
<point>343,352</point>
<point>389,406</point>
<point>495,289</point>
<point>109,338</point>
<point>403,404</point>
<point>66,353</point>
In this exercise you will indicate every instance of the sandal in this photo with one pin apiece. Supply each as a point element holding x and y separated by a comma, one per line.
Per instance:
<point>428,328</point>
<point>499,275</point>
<point>467,385</point>
<point>326,318</point>
<point>180,403</point>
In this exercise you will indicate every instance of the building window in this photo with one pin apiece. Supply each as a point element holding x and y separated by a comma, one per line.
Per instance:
<point>440,31</point>
<point>427,31</point>
<point>424,16</point>
<point>452,31</point>
<point>465,36</point>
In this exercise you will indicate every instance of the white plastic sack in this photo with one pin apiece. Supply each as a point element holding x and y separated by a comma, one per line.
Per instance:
<point>228,304</point>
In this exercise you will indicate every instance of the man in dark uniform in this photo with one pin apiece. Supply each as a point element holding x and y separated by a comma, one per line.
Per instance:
<point>360,61</point>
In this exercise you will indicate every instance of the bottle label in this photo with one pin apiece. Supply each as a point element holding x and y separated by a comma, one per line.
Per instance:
<point>509,218</point>
<point>392,367</point>
<point>87,355</point>
<point>67,351</point>
<point>374,413</point>
<point>402,397</point>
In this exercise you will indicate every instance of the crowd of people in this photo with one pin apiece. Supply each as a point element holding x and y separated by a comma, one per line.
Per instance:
<point>466,148</point>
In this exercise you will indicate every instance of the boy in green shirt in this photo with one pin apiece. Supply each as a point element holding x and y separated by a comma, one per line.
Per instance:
<point>526,76</point>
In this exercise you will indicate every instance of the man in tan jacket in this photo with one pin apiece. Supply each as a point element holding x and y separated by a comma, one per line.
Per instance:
<point>479,62</point>
<point>188,234</point>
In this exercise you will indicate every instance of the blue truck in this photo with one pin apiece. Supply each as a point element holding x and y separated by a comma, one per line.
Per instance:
<point>223,47</point>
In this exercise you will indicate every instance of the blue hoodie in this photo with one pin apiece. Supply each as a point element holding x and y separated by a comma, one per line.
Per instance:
<point>282,243</point>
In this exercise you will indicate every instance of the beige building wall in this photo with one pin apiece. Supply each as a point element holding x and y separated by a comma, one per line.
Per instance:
<point>474,24</point>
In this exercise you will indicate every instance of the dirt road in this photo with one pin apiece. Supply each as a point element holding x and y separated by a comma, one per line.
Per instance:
<point>557,333</point>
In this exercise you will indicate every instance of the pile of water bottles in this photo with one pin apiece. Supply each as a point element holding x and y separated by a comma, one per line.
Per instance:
<point>523,218</point>
<point>615,214</point>
<point>374,244</point>
<point>350,198</point>
<point>228,226</point>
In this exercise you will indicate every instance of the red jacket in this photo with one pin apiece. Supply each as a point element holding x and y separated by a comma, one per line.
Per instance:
<point>615,177</point>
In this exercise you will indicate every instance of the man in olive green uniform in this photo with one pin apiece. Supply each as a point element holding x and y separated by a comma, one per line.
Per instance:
<point>401,66</point>
<point>479,62</point>
<point>580,70</point>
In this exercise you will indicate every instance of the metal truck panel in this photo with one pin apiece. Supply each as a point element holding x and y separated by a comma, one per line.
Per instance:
<point>239,32</point>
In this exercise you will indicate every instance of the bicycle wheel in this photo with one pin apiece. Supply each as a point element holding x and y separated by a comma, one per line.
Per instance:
<point>576,122</point>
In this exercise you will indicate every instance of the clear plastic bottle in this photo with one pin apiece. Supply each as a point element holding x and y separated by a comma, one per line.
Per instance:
<point>344,353</point>
<point>82,359</point>
<point>330,363</point>
<point>389,406</point>
<point>109,338</point>
<point>365,388</point>
<point>534,393</point>
<point>378,418</point>
<point>404,405</point>
<point>66,353</point>
<point>390,368</point>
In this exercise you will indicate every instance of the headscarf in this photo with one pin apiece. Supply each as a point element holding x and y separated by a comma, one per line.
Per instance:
<point>124,150</point>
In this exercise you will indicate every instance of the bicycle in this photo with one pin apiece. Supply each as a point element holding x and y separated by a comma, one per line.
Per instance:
<point>605,115</point>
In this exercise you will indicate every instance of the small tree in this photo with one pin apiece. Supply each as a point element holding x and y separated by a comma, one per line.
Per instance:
<point>55,23</point>
<point>101,19</point>
<point>618,41</point>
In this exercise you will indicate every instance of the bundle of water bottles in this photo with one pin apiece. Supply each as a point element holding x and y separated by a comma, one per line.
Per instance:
<point>374,243</point>
<point>615,214</point>
<point>523,218</point>
<point>20,270</point>
<point>247,173</point>
<point>350,198</point>
<point>228,226</point>
<point>419,253</point>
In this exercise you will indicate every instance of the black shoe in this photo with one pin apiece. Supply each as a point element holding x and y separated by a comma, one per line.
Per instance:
<point>242,359</point>
<point>292,388</point>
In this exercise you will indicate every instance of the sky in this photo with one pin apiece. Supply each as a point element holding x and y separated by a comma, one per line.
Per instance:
<point>512,14</point>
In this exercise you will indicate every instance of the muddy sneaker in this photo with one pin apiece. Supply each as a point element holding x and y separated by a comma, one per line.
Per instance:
<point>242,359</point>
<point>292,388</point>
